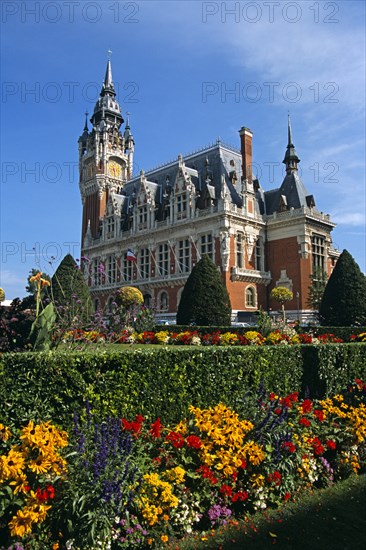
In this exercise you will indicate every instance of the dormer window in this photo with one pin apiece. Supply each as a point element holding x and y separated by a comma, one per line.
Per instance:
<point>181,206</point>
<point>143,217</point>
<point>110,227</point>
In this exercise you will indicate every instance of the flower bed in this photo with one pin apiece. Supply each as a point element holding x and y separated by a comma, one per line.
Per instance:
<point>193,337</point>
<point>135,483</point>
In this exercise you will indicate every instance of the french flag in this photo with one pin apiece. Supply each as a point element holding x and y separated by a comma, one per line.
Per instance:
<point>131,256</point>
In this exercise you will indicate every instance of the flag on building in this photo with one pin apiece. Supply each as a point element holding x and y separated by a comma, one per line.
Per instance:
<point>131,256</point>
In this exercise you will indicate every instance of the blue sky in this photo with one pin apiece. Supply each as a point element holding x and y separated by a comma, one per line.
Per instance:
<point>188,72</point>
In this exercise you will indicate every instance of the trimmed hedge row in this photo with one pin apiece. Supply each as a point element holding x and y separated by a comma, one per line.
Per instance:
<point>162,382</point>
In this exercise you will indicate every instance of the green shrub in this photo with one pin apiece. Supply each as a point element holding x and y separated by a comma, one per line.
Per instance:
<point>163,382</point>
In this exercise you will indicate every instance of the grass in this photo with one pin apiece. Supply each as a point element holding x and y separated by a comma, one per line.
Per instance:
<point>329,519</point>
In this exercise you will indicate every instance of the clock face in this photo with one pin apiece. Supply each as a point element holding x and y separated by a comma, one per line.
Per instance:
<point>114,169</point>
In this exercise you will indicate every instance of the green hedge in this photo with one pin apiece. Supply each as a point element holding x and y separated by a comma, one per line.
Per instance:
<point>163,381</point>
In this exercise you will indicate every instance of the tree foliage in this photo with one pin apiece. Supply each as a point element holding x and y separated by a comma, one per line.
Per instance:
<point>69,286</point>
<point>205,300</point>
<point>129,296</point>
<point>2,295</point>
<point>344,298</point>
<point>281,294</point>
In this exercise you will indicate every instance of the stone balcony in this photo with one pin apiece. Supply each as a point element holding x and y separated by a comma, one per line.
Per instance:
<point>250,275</point>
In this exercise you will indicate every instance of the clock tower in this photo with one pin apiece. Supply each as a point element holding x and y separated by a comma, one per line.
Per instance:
<point>105,156</point>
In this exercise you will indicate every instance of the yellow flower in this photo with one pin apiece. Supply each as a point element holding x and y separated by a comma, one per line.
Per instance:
<point>12,464</point>
<point>21,484</point>
<point>257,480</point>
<point>40,465</point>
<point>5,432</point>
<point>21,524</point>
<point>164,538</point>
<point>181,428</point>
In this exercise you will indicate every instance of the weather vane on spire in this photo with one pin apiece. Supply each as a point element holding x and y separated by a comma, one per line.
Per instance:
<point>109,52</point>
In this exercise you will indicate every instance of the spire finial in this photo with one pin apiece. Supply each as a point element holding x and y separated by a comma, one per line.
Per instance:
<point>86,120</point>
<point>127,119</point>
<point>108,83</point>
<point>290,144</point>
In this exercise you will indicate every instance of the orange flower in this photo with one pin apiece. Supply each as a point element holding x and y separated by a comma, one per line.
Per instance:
<point>164,538</point>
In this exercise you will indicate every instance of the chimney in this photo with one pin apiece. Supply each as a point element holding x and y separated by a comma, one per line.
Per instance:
<point>246,136</point>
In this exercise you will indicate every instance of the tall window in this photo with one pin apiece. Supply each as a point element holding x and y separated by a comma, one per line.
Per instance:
<point>97,272</point>
<point>250,297</point>
<point>207,245</point>
<point>110,227</point>
<point>127,269</point>
<point>318,251</point>
<point>259,255</point>
<point>112,270</point>
<point>181,206</point>
<point>163,259</point>
<point>184,256</point>
<point>239,250</point>
<point>145,263</point>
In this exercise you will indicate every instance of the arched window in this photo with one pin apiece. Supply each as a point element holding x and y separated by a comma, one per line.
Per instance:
<point>163,301</point>
<point>97,304</point>
<point>147,300</point>
<point>250,297</point>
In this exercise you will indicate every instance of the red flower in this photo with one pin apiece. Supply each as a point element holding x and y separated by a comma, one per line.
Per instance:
<point>176,439</point>
<point>194,441</point>
<point>290,399</point>
<point>304,421</point>
<point>243,464</point>
<point>133,426</point>
<point>275,478</point>
<point>45,494</point>
<point>226,490</point>
<point>317,446</point>
<point>155,429</point>
<point>331,444</point>
<point>319,414</point>
<point>240,495</point>
<point>287,496</point>
<point>306,406</point>
<point>277,411</point>
<point>289,446</point>
<point>272,396</point>
<point>207,474</point>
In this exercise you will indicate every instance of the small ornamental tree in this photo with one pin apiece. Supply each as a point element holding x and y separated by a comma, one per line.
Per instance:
<point>2,295</point>
<point>344,298</point>
<point>316,289</point>
<point>129,299</point>
<point>69,288</point>
<point>205,300</point>
<point>281,294</point>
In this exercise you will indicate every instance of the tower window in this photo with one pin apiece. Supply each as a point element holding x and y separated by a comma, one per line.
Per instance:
<point>259,255</point>
<point>207,245</point>
<point>126,269</point>
<point>318,251</point>
<point>112,270</point>
<point>163,259</point>
<point>184,256</point>
<point>110,227</point>
<point>239,250</point>
<point>145,263</point>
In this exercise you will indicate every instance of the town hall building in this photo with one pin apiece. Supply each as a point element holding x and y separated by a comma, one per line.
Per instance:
<point>150,231</point>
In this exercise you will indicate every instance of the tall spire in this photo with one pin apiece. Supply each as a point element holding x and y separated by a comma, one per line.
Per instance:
<point>289,144</point>
<point>291,159</point>
<point>86,129</point>
<point>108,87</point>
